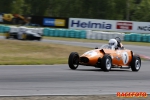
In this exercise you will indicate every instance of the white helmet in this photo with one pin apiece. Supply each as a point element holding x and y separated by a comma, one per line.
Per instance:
<point>113,43</point>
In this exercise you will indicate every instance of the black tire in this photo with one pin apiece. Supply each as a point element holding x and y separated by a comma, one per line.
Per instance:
<point>73,60</point>
<point>39,39</point>
<point>7,35</point>
<point>24,36</point>
<point>106,63</point>
<point>15,37</point>
<point>136,63</point>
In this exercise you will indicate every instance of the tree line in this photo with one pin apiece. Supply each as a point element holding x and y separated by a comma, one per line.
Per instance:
<point>132,10</point>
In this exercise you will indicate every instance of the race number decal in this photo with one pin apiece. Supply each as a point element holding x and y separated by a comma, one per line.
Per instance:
<point>125,57</point>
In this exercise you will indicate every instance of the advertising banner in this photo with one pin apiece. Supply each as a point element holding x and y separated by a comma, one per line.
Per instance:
<point>91,24</point>
<point>109,25</point>
<point>56,22</point>
<point>142,27</point>
<point>48,22</point>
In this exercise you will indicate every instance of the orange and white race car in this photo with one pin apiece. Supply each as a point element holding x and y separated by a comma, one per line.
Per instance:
<point>106,57</point>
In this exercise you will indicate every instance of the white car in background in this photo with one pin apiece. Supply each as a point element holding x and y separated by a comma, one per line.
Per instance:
<point>23,33</point>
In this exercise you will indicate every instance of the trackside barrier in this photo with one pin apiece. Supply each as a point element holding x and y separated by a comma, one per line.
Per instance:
<point>1,29</point>
<point>68,33</point>
<point>148,38</point>
<point>136,37</point>
<point>83,34</point>
<point>4,29</point>
<point>100,35</point>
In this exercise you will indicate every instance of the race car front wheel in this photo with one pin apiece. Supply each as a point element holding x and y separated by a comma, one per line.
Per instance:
<point>39,38</point>
<point>73,60</point>
<point>106,62</point>
<point>136,63</point>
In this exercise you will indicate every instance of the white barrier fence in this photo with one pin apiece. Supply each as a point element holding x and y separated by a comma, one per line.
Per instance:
<point>100,35</point>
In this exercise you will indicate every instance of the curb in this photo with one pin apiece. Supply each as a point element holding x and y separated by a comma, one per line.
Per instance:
<point>145,57</point>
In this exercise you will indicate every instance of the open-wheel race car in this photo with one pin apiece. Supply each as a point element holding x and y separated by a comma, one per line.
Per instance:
<point>23,33</point>
<point>106,57</point>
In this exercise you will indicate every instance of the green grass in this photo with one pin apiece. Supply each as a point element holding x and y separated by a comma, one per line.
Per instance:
<point>96,41</point>
<point>16,52</point>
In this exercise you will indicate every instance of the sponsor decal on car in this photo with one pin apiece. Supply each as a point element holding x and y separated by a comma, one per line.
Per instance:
<point>118,58</point>
<point>124,25</point>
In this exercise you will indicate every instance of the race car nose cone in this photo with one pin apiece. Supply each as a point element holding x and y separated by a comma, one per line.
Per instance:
<point>84,59</point>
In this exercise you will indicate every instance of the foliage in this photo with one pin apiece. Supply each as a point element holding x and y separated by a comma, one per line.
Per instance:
<point>135,10</point>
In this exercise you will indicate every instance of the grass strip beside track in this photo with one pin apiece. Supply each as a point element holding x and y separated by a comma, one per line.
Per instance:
<point>97,41</point>
<point>93,41</point>
<point>16,52</point>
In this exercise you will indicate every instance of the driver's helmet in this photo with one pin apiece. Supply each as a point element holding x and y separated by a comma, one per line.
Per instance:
<point>112,43</point>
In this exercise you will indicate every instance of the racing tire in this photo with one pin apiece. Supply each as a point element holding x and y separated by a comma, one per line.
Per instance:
<point>39,39</point>
<point>24,36</point>
<point>136,63</point>
<point>73,60</point>
<point>15,37</point>
<point>106,63</point>
<point>7,35</point>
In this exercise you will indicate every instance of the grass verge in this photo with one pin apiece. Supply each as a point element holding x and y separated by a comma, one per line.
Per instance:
<point>97,41</point>
<point>16,52</point>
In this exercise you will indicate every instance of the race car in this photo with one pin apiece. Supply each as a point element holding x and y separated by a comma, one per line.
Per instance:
<point>106,58</point>
<point>23,33</point>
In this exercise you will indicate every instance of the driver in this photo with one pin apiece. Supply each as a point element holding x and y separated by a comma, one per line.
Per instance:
<point>113,43</point>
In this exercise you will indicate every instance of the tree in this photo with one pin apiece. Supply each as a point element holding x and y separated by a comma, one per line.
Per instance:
<point>36,7</point>
<point>5,6</point>
<point>17,6</point>
<point>141,12</point>
<point>97,9</point>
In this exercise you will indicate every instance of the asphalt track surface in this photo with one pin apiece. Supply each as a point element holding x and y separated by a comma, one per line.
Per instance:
<point>60,80</point>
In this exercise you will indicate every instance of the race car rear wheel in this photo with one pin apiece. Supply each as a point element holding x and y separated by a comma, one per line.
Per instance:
<point>24,36</point>
<point>106,62</point>
<point>135,63</point>
<point>73,60</point>
<point>7,35</point>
